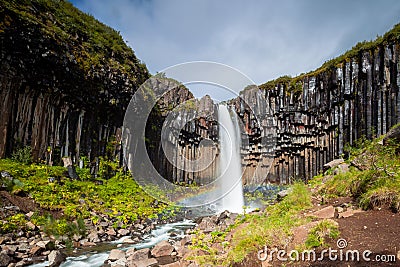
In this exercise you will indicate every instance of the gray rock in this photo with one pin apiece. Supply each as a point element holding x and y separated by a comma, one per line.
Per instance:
<point>142,263</point>
<point>138,255</point>
<point>207,225</point>
<point>45,244</point>
<point>123,232</point>
<point>93,236</point>
<point>4,259</point>
<point>111,232</point>
<point>282,194</point>
<point>164,248</point>
<point>116,254</point>
<point>325,213</point>
<point>55,258</point>
<point>332,164</point>
<point>392,136</point>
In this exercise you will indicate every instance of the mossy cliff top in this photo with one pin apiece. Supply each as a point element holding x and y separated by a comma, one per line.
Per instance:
<point>52,44</point>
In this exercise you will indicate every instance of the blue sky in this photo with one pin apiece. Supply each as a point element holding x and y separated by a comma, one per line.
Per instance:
<point>262,39</point>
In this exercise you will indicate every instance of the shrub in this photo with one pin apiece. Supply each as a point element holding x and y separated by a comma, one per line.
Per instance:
<point>23,155</point>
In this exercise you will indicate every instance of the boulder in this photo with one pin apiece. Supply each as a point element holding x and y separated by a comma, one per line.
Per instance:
<point>45,244</point>
<point>55,258</point>
<point>142,263</point>
<point>164,248</point>
<point>116,254</point>
<point>282,194</point>
<point>325,213</point>
<point>4,259</point>
<point>392,136</point>
<point>332,164</point>
<point>207,225</point>
<point>36,250</point>
<point>93,236</point>
<point>137,255</point>
<point>123,232</point>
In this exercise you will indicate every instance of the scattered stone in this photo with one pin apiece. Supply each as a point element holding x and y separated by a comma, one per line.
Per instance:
<point>142,263</point>
<point>45,244</point>
<point>111,232</point>
<point>93,236</point>
<point>207,225</point>
<point>29,214</point>
<point>187,239</point>
<point>164,248</point>
<point>4,259</point>
<point>138,255</point>
<point>339,209</point>
<point>116,254</point>
<point>4,239</point>
<point>348,213</point>
<point>36,250</point>
<point>282,194</point>
<point>325,213</point>
<point>128,241</point>
<point>332,164</point>
<point>88,244</point>
<point>123,232</point>
<point>31,226</point>
<point>55,258</point>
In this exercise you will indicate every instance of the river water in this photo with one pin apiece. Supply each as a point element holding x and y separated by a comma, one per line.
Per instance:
<point>98,255</point>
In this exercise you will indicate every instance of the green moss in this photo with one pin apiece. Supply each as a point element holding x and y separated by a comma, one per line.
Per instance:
<point>91,43</point>
<point>119,196</point>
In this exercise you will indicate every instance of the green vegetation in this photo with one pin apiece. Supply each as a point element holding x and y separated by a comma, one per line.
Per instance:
<point>253,231</point>
<point>92,44</point>
<point>13,223</point>
<point>319,233</point>
<point>119,197</point>
<point>377,184</point>
<point>23,155</point>
<point>295,84</point>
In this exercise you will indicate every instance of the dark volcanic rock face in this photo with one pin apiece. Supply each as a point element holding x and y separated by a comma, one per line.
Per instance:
<point>335,107</point>
<point>61,88</point>
<point>298,131</point>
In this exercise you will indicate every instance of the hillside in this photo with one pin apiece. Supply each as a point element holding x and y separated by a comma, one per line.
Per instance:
<point>66,79</point>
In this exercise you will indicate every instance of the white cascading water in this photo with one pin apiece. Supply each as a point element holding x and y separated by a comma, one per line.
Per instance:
<point>230,170</point>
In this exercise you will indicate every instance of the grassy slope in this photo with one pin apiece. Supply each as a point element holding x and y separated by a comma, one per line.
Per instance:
<point>376,186</point>
<point>119,198</point>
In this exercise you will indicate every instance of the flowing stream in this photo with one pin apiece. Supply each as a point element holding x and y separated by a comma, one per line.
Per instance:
<point>96,258</point>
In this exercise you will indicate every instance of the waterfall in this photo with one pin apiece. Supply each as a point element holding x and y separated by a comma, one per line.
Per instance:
<point>230,171</point>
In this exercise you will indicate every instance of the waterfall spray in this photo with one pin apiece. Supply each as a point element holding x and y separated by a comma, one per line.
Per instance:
<point>230,171</point>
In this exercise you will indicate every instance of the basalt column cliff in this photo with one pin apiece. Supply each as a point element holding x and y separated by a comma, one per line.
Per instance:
<point>65,80</point>
<point>312,117</point>
<point>317,114</point>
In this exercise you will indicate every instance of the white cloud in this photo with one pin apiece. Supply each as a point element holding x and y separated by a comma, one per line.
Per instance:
<point>263,39</point>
